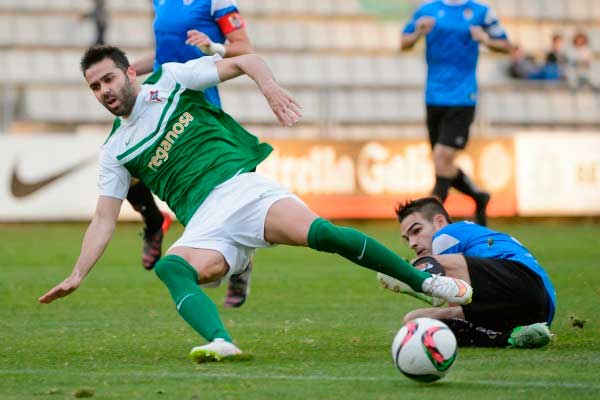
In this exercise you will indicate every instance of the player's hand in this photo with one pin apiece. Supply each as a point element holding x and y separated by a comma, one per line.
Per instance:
<point>198,39</point>
<point>63,289</point>
<point>478,34</point>
<point>425,25</point>
<point>284,106</point>
<point>203,42</point>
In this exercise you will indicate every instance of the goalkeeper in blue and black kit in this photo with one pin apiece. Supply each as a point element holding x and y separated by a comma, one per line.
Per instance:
<point>454,29</point>
<point>514,300</point>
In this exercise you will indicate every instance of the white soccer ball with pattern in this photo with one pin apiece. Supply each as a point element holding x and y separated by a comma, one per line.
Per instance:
<point>424,349</point>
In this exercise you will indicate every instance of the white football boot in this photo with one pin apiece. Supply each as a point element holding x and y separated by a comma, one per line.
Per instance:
<point>216,350</point>
<point>393,284</point>
<point>453,290</point>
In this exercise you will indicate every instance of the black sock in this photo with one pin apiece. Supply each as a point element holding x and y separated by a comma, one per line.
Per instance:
<point>442,185</point>
<point>142,201</point>
<point>464,184</point>
<point>469,335</point>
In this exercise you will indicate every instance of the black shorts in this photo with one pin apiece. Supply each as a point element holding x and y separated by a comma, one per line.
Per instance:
<point>506,294</point>
<point>449,125</point>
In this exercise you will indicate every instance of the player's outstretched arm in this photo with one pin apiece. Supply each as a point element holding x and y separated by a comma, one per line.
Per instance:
<point>144,65</point>
<point>499,45</point>
<point>281,102</point>
<point>95,241</point>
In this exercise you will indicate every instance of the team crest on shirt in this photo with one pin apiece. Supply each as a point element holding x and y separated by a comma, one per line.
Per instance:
<point>468,14</point>
<point>153,97</point>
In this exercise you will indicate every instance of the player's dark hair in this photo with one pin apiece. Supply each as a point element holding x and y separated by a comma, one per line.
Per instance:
<point>427,206</point>
<point>95,54</point>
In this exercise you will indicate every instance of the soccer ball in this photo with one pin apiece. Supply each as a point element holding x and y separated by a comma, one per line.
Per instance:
<point>424,349</point>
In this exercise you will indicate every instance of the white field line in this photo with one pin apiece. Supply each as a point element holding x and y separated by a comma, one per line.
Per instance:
<point>321,378</point>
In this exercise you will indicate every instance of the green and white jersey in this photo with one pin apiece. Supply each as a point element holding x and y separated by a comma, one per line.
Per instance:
<point>176,142</point>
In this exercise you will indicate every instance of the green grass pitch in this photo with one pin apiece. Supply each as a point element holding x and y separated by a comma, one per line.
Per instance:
<point>318,326</point>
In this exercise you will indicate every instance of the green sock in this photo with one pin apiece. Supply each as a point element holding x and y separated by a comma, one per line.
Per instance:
<point>194,306</point>
<point>363,250</point>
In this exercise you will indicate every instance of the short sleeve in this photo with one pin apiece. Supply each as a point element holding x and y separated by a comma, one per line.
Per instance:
<point>411,25</point>
<point>227,16</point>
<point>197,74</point>
<point>492,25</point>
<point>220,8</point>
<point>445,244</point>
<point>114,178</point>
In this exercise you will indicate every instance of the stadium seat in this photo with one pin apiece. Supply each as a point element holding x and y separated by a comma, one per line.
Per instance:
<point>594,36</point>
<point>493,70</point>
<point>532,9</point>
<point>556,10</point>
<point>579,10</point>
<point>587,108</point>
<point>505,8</point>
<point>128,5</point>
<point>563,107</point>
<point>539,108</point>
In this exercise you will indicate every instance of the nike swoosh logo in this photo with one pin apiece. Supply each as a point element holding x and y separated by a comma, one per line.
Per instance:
<point>363,250</point>
<point>182,300</point>
<point>20,188</point>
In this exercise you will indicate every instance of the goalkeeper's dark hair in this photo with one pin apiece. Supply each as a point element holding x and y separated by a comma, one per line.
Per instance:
<point>427,206</point>
<point>95,54</point>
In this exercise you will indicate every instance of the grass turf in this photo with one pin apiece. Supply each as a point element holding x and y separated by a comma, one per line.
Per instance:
<point>318,327</point>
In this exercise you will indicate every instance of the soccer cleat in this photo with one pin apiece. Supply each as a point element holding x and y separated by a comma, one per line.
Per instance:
<point>216,350</point>
<point>393,284</point>
<point>452,290</point>
<point>481,201</point>
<point>530,336</point>
<point>238,288</point>
<point>153,243</point>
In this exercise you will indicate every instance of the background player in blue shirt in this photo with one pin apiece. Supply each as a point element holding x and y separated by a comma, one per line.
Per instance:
<point>454,29</point>
<point>185,30</point>
<point>513,297</point>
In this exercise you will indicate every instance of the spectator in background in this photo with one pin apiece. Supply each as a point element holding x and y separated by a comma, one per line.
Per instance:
<point>100,17</point>
<point>185,30</point>
<point>557,54</point>
<point>556,60</point>
<point>522,65</point>
<point>579,62</point>
<point>453,31</point>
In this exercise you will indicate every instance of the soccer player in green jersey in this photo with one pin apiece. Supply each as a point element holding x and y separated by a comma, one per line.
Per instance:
<point>199,161</point>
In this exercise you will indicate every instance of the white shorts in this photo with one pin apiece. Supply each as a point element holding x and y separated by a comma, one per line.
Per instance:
<point>232,220</point>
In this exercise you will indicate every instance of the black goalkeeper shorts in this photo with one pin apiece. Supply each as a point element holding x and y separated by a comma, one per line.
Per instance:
<point>449,125</point>
<point>506,294</point>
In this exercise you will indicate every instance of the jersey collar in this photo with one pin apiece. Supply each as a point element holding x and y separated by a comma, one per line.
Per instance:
<point>454,2</point>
